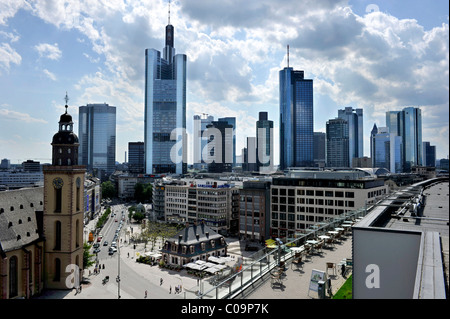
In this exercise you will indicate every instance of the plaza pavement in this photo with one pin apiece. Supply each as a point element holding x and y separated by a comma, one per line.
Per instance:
<point>295,283</point>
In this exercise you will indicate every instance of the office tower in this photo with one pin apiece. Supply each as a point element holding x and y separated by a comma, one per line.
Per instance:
<point>337,143</point>
<point>219,147</point>
<point>63,211</point>
<point>372,135</point>
<point>250,156</point>
<point>97,134</point>
<point>393,122</point>
<point>408,124</point>
<point>165,109</point>
<point>429,154</point>
<point>381,148</point>
<point>387,150</point>
<point>296,119</point>
<point>354,118</point>
<point>412,137</point>
<point>136,157</point>
<point>31,166</point>
<point>264,144</point>
<point>5,164</point>
<point>231,121</point>
<point>200,142</point>
<point>319,149</point>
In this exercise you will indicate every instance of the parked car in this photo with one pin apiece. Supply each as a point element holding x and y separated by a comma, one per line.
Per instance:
<point>96,250</point>
<point>105,243</point>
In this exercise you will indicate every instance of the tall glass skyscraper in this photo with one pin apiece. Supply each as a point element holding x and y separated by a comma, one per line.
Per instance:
<point>200,141</point>
<point>408,124</point>
<point>354,118</point>
<point>231,121</point>
<point>296,119</point>
<point>97,135</point>
<point>264,144</point>
<point>165,109</point>
<point>337,143</point>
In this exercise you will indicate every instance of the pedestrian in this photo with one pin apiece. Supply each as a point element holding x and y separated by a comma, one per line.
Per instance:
<point>170,289</point>
<point>103,266</point>
<point>128,255</point>
<point>160,281</point>
<point>145,294</point>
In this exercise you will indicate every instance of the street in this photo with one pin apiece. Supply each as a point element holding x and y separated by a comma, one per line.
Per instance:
<point>135,278</point>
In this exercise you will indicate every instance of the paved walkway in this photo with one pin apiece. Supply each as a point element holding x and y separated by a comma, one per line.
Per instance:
<point>295,285</point>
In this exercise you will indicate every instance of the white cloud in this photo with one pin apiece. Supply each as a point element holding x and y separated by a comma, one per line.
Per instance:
<point>6,114</point>
<point>7,56</point>
<point>49,51</point>
<point>49,74</point>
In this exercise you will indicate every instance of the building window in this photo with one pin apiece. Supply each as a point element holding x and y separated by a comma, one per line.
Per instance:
<point>57,276</point>
<point>58,199</point>
<point>13,280</point>
<point>57,235</point>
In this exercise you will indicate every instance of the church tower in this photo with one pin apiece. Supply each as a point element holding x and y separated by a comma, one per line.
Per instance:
<point>63,209</point>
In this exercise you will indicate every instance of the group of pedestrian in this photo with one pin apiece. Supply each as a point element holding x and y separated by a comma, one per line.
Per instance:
<point>178,289</point>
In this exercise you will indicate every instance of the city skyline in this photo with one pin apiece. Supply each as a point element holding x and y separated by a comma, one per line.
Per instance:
<point>378,61</point>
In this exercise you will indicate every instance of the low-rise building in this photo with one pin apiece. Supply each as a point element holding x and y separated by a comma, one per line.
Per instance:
<point>254,210</point>
<point>217,204</point>
<point>308,197</point>
<point>194,242</point>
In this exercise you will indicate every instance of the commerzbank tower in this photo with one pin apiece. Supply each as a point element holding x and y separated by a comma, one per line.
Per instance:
<point>165,109</point>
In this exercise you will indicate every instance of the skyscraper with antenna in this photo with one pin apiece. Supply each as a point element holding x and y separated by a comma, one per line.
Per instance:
<point>296,118</point>
<point>165,108</point>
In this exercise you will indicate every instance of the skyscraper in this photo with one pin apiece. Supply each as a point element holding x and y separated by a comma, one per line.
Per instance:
<point>136,157</point>
<point>354,118</point>
<point>165,109</point>
<point>220,137</point>
<point>97,134</point>
<point>231,121</point>
<point>408,124</point>
<point>337,143</point>
<point>319,148</point>
<point>264,144</point>
<point>386,150</point>
<point>200,142</point>
<point>296,119</point>
<point>429,154</point>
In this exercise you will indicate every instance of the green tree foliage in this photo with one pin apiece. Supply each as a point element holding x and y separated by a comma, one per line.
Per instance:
<point>143,192</point>
<point>87,256</point>
<point>108,190</point>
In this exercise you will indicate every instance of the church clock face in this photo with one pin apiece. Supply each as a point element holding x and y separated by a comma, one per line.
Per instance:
<point>58,182</point>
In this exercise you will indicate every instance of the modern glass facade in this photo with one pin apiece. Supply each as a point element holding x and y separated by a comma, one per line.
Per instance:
<point>231,121</point>
<point>354,118</point>
<point>264,143</point>
<point>337,143</point>
<point>97,136</point>
<point>165,110</point>
<point>407,124</point>
<point>136,157</point>
<point>296,119</point>
<point>412,137</point>
<point>200,142</point>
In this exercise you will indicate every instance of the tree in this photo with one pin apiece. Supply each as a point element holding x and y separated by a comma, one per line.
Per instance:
<point>143,192</point>
<point>87,262</point>
<point>138,216</point>
<point>108,190</point>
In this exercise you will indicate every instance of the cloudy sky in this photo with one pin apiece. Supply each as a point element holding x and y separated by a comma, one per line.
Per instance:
<point>374,55</point>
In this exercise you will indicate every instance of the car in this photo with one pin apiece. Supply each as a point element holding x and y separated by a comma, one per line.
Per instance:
<point>96,245</point>
<point>96,251</point>
<point>113,244</point>
<point>111,252</point>
<point>105,243</point>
